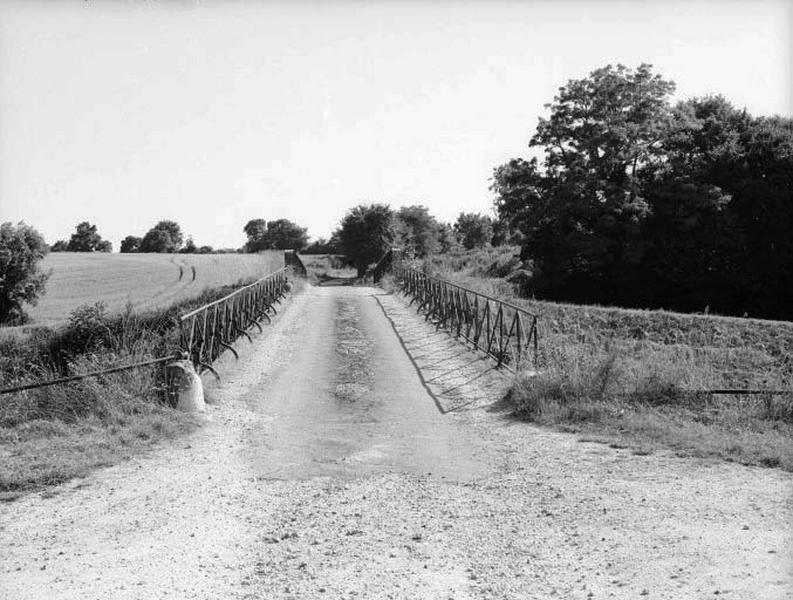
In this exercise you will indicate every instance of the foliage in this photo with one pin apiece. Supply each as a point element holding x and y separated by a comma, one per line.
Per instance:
<point>54,433</point>
<point>322,246</point>
<point>86,238</point>
<point>281,234</point>
<point>256,230</point>
<point>60,246</point>
<point>131,243</point>
<point>21,281</point>
<point>726,195</point>
<point>365,234</point>
<point>416,231</point>
<point>189,247</point>
<point>474,230</point>
<point>88,328</point>
<point>640,203</point>
<point>165,236</point>
<point>447,239</point>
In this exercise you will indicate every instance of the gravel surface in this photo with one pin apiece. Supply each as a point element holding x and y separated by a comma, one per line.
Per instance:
<point>355,452</point>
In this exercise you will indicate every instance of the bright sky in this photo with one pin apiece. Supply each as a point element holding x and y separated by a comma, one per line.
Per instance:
<point>213,113</point>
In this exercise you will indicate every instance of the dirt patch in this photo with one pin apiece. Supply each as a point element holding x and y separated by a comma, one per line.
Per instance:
<point>353,355</point>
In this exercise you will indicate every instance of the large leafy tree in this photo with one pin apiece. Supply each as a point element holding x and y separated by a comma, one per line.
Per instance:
<point>165,236</point>
<point>365,234</point>
<point>474,230</point>
<point>416,230</point>
<point>723,210</point>
<point>21,280</point>
<point>581,208</point>
<point>638,202</point>
<point>256,231</point>
<point>86,238</point>
<point>281,234</point>
<point>130,243</point>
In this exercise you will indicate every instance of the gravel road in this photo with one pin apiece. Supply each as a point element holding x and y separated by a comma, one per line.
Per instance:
<point>355,452</point>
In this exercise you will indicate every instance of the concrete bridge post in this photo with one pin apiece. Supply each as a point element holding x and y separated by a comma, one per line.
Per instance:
<point>186,386</point>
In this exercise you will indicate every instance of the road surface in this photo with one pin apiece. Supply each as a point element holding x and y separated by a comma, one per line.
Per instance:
<point>355,452</point>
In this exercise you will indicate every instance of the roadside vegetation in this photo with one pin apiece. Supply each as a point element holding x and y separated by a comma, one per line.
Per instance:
<point>633,201</point>
<point>100,310</point>
<point>50,435</point>
<point>631,377</point>
<point>629,201</point>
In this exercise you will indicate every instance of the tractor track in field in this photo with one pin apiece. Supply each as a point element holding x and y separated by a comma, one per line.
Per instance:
<point>356,452</point>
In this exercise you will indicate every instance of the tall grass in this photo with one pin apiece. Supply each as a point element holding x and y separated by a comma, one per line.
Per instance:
<point>52,434</point>
<point>636,375</point>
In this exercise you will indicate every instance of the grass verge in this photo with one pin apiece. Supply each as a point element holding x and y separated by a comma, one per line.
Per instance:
<point>628,377</point>
<point>603,398</point>
<point>50,435</point>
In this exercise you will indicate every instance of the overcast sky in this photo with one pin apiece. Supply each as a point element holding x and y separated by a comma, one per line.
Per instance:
<point>213,113</point>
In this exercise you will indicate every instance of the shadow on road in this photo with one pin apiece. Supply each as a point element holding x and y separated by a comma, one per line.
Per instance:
<point>455,376</point>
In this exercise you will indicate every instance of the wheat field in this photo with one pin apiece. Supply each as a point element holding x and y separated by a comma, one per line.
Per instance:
<point>147,281</point>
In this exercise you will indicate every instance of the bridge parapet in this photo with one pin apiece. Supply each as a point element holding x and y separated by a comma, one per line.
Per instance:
<point>502,330</point>
<point>209,330</point>
<point>292,261</point>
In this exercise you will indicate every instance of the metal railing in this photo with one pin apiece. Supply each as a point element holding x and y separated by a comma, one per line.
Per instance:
<point>209,330</point>
<point>293,261</point>
<point>502,330</point>
<point>385,264</point>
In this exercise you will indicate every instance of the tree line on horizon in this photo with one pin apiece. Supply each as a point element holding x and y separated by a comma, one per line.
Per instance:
<point>364,235</point>
<point>411,227</point>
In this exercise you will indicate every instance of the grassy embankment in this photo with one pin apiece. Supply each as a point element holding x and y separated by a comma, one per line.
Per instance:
<point>322,268</point>
<point>50,435</point>
<point>626,376</point>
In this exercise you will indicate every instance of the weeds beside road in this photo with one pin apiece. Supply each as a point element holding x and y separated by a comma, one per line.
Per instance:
<point>626,376</point>
<point>52,434</point>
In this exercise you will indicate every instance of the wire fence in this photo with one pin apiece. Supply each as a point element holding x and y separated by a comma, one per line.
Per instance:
<point>502,330</point>
<point>204,332</point>
<point>100,373</point>
<point>209,330</point>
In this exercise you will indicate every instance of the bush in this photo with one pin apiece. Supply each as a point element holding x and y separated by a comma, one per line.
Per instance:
<point>21,249</point>
<point>366,234</point>
<point>50,434</point>
<point>88,328</point>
